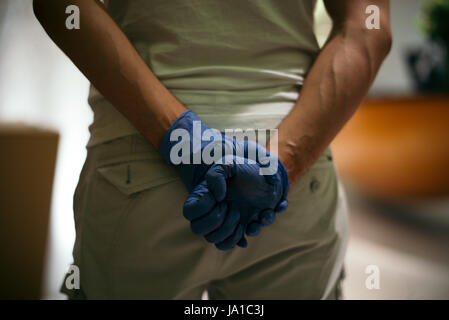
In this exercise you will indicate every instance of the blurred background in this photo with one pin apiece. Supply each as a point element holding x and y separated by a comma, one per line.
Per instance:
<point>393,158</point>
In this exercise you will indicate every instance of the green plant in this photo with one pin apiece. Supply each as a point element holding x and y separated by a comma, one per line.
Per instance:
<point>435,21</point>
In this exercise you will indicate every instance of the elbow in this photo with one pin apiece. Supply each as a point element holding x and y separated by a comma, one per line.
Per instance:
<point>377,42</point>
<point>42,9</point>
<point>384,41</point>
<point>38,8</point>
<point>382,37</point>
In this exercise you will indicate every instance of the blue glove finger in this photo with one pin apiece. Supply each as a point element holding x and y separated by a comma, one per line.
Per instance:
<point>272,178</point>
<point>267,217</point>
<point>281,207</point>
<point>210,221</point>
<point>231,241</point>
<point>253,229</point>
<point>226,229</point>
<point>243,243</point>
<point>199,202</point>
<point>216,179</point>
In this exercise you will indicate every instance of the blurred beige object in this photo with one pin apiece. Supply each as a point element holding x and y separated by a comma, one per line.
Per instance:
<point>27,165</point>
<point>397,147</point>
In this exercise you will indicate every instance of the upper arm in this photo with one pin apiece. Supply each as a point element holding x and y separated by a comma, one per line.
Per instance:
<point>52,9</point>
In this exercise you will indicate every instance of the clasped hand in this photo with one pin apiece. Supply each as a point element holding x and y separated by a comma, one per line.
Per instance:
<point>235,190</point>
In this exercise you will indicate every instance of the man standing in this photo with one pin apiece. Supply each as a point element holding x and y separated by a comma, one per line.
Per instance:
<point>156,66</point>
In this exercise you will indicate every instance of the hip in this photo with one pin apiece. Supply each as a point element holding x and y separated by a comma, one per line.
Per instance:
<point>129,201</point>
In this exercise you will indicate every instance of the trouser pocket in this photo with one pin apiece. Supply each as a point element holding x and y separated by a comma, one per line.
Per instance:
<point>115,177</point>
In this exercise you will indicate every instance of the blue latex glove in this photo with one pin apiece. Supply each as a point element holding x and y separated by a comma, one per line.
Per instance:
<point>215,220</point>
<point>183,148</point>
<point>253,199</point>
<point>257,198</point>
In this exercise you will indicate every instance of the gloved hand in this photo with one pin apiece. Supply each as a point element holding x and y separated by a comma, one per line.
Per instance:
<point>183,147</point>
<point>215,220</point>
<point>258,196</point>
<point>253,195</point>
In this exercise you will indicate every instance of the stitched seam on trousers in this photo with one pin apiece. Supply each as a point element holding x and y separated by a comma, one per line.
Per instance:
<point>138,188</point>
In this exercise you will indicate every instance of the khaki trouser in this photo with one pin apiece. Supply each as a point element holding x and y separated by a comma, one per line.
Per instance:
<point>132,240</point>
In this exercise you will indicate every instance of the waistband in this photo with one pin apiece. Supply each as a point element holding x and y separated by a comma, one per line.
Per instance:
<point>136,147</point>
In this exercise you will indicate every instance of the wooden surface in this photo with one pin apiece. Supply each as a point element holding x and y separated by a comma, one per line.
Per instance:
<point>397,147</point>
<point>27,165</point>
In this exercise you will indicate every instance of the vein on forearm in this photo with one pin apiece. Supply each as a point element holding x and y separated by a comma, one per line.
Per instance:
<point>335,86</point>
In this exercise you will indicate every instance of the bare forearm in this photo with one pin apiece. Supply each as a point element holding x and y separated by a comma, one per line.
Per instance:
<point>106,57</point>
<point>335,86</point>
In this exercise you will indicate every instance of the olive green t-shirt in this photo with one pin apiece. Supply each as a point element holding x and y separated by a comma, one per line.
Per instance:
<point>235,63</point>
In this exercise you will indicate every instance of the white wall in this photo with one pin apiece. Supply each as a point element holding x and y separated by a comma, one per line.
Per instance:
<point>39,85</point>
